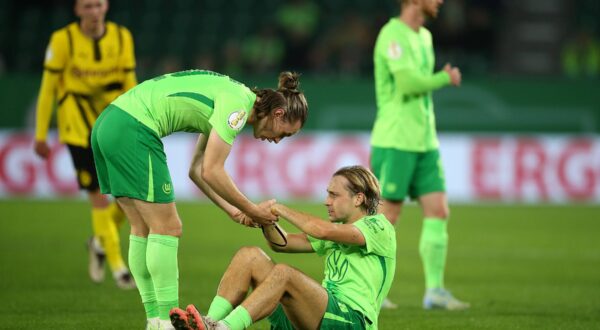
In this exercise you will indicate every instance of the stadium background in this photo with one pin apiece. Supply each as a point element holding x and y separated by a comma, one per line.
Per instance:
<point>524,254</point>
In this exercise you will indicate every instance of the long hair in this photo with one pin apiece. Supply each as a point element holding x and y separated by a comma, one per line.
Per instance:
<point>287,97</point>
<point>361,180</point>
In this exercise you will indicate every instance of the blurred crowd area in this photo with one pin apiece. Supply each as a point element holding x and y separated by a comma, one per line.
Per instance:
<point>326,37</point>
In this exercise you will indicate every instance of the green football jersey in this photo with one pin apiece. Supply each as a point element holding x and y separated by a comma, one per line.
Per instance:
<point>361,276</point>
<point>190,101</point>
<point>405,119</point>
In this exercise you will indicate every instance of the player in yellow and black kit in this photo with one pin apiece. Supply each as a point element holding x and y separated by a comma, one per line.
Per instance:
<point>88,64</point>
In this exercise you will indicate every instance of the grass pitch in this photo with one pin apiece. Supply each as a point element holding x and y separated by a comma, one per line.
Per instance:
<point>521,267</point>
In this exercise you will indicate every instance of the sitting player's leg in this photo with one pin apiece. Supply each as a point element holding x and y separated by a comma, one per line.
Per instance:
<point>248,268</point>
<point>303,299</point>
<point>138,242</point>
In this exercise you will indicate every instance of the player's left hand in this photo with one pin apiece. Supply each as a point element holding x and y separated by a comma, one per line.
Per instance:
<point>241,218</point>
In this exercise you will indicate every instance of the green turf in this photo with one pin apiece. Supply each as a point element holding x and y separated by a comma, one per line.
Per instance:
<point>520,267</point>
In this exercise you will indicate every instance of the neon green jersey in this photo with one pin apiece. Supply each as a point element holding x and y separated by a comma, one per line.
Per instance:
<point>404,79</point>
<point>361,276</point>
<point>190,101</point>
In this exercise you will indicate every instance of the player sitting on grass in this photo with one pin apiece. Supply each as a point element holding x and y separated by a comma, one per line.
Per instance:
<point>359,246</point>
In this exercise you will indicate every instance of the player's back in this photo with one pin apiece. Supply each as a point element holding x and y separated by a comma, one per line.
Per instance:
<point>185,101</point>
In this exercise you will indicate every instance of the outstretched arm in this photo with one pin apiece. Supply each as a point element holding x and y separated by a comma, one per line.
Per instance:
<point>317,228</point>
<point>208,173</point>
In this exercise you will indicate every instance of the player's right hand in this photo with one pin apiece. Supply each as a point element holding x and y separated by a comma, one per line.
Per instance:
<point>454,73</point>
<point>263,213</point>
<point>42,149</point>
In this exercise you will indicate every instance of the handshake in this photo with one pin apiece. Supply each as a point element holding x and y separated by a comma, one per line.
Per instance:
<point>266,218</point>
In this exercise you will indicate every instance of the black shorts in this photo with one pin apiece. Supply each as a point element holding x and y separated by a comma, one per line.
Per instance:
<point>83,160</point>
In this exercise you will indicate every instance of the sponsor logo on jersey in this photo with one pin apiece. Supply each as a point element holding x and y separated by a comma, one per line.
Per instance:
<point>85,73</point>
<point>394,50</point>
<point>237,119</point>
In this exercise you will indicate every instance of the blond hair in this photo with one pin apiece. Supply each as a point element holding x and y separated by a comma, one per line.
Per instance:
<point>361,180</point>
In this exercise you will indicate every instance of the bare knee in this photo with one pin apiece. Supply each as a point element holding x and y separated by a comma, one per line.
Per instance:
<point>170,226</point>
<point>391,210</point>
<point>281,272</point>
<point>441,211</point>
<point>251,254</point>
<point>97,199</point>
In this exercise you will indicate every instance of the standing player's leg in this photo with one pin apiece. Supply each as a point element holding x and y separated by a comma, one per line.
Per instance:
<point>106,230</point>
<point>433,244</point>
<point>429,186</point>
<point>394,169</point>
<point>138,243</point>
<point>161,252</point>
<point>103,225</point>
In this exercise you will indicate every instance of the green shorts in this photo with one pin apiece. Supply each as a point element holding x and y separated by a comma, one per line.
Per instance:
<point>403,173</point>
<point>130,158</point>
<point>338,315</point>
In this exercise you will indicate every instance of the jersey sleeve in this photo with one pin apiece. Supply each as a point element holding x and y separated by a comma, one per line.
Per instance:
<point>57,52</point>
<point>379,236</point>
<point>400,60</point>
<point>319,246</point>
<point>229,116</point>
<point>128,58</point>
<point>396,51</point>
<point>54,64</point>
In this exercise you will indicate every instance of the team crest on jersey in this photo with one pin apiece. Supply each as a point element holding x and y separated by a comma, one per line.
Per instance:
<point>166,187</point>
<point>237,119</point>
<point>394,50</point>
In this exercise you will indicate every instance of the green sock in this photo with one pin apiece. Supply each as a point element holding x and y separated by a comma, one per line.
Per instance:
<point>139,270</point>
<point>161,258</point>
<point>433,247</point>
<point>219,308</point>
<point>239,319</point>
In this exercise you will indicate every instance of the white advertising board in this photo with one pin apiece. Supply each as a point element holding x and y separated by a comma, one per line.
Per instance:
<point>492,168</point>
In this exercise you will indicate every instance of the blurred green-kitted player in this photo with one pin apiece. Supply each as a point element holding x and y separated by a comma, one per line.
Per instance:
<point>88,64</point>
<point>132,165</point>
<point>405,149</point>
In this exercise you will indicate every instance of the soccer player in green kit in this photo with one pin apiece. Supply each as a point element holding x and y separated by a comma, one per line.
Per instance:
<point>359,247</point>
<point>132,166</point>
<point>404,145</point>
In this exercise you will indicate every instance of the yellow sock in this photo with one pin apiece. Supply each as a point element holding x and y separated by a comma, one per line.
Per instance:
<point>106,230</point>
<point>117,215</point>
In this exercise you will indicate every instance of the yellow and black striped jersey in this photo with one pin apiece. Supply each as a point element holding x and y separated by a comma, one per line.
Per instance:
<point>81,77</point>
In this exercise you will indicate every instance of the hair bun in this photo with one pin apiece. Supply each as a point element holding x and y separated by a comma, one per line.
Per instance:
<point>289,81</point>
